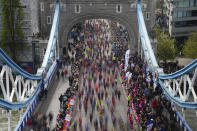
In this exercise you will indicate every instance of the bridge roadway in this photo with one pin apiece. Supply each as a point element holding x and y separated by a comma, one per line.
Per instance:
<point>59,86</point>
<point>52,104</point>
<point>120,107</point>
<point>120,111</point>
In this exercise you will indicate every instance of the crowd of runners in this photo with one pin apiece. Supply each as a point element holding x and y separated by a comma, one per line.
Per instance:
<point>95,51</point>
<point>99,92</point>
<point>97,55</point>
<point>73,61</point>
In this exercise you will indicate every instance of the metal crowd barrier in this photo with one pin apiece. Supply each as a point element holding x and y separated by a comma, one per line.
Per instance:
<point>182,122</point>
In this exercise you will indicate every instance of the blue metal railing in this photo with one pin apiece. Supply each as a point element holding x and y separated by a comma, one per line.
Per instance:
<point>181,121</point>
<point>144,36</point>
<point>52,38</point>
<point>150,58</point>
<point>28,113</point>
<point>181,72</point>
<point>16,105</point>
<point>45,65</point>
<point>176,99</point>
<point>7,60</point>
<point>154,66</point>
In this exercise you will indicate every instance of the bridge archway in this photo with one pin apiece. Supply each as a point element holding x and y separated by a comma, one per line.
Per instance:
<point>65,28</point>
<point>72,12</point>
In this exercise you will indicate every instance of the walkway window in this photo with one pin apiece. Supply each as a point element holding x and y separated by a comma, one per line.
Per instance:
<point>118,8</point>
<point>77,8</point>
<point>42,6</point>
<point>133,5</point>
<point>48,19</point>
<point>144,6</point>
<point>185,23</point>
<point>147,15</point>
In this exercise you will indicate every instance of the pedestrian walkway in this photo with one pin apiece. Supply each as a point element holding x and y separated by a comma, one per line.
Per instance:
<point>51,103</point>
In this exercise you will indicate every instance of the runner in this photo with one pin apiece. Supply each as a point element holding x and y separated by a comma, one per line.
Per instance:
<point>100,91</point>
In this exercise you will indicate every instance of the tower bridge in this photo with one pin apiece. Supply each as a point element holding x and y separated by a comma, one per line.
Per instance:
<point>72,12</point>
<point>136,16</point>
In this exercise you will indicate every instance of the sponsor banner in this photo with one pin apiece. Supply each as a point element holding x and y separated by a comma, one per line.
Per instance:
<point>69,114</point>
<point>127,54</point>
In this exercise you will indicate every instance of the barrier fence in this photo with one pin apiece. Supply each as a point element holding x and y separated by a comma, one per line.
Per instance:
<point>69,114</point>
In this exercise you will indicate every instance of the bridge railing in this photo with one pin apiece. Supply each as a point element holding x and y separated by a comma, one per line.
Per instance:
<point>146,44</point>
<point>30,109</point>
<point>154,68</point>
<point>49,57</point>
<point>5,59</point>
<point>28,113</point>
<point>52,41</point>
<point>181,72</point>
<point>49,66</point>
<point>182,122</point>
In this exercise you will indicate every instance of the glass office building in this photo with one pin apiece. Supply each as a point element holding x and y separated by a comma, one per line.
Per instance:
<point>181,16</point>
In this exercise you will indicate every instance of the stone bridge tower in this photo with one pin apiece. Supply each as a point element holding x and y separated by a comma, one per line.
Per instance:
<point>74,11</point>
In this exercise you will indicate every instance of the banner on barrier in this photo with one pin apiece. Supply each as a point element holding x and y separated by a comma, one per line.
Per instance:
<point>68,117</point>
<point>127,54</point>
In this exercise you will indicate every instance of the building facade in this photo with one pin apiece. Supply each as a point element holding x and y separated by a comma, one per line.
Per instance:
<point>39,18</point>
<point>73,12</point>
<point>31,30</point>
<point>181,17</point>
<point>30,27</point>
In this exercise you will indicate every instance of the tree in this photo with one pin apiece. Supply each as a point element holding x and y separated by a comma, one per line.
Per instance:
<point>166,49</point>
<point>12,35</point>
<point>190,48</point>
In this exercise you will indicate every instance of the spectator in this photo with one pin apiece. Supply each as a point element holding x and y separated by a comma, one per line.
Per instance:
<point>29,123</point>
